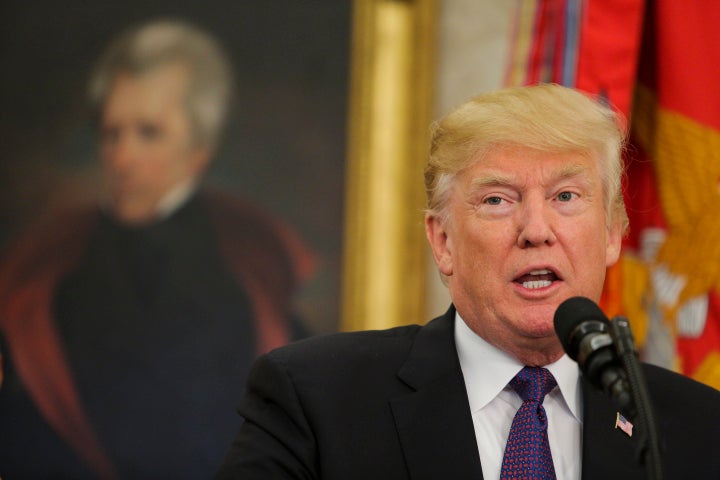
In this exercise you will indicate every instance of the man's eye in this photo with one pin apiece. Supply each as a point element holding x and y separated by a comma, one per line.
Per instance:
<point>493,200</point>
<point>565,196</point>
<point>149,131</point>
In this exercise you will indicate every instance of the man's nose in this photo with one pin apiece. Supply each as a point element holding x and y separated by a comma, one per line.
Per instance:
<point>121,154</point>
<point>535,226</point>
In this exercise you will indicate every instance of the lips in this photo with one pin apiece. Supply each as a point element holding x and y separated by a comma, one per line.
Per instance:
<point>537,278</point>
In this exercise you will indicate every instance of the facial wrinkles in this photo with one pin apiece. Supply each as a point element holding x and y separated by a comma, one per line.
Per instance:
<point>488,261</point>
<point>532,189</point>
<point>520,183</point>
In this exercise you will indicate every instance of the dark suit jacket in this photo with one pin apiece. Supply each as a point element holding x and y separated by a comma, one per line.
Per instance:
<point>392,405</point>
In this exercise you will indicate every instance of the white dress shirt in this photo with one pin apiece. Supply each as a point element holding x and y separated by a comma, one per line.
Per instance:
<point>493,404</point>
<point>174,199</point>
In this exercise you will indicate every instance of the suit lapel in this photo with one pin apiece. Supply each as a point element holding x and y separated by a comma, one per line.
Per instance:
<point>608,452</point>
<point>434,423</point>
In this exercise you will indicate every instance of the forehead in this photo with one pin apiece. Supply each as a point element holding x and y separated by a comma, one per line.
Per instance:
<point>523,166</point>
<point>149,93</point>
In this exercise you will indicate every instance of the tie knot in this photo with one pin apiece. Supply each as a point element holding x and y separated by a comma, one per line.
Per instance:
<point>533,383</point>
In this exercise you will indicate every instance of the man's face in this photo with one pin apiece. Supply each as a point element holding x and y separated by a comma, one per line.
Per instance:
<point>527,230</point>
<point>145,141</point>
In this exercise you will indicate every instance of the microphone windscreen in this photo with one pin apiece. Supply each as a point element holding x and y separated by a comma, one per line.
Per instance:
<point>571,313</point>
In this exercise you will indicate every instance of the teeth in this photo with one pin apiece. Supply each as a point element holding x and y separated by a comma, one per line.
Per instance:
<point>533,284</point>
<point>544,271</point>
<point>542,281</point>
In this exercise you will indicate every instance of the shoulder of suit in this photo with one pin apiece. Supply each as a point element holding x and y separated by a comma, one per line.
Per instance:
<point>277,247</point>
<point>671,388</point>
<point>49,242</point>
<point>348,347</point>
<point>365,343</point>
<point>233,208</point>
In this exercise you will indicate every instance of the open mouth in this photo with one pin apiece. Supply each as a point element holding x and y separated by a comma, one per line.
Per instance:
<point>536,279</point>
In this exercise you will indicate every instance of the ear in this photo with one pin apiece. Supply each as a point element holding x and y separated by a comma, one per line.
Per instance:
<point>440,243</point>
<point>614,244</point>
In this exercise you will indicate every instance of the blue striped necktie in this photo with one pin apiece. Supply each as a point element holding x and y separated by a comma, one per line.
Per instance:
<point>527,452</point>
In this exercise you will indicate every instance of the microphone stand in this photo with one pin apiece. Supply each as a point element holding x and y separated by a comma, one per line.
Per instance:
<point>625,348</point>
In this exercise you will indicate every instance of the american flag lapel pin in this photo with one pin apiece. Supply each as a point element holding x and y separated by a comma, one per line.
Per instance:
<point>623,424</point>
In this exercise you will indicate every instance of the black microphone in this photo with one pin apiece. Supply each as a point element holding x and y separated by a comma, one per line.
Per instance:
<point>585,334</point>
<point>606,354</point>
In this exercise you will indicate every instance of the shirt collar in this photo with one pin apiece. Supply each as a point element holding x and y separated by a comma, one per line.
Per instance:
<point>170,203</point>
<point>175,198</point>
<point>487,370</point>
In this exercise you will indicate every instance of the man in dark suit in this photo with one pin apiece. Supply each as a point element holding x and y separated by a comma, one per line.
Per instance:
<point>524,211</point>
<point>126,324</point>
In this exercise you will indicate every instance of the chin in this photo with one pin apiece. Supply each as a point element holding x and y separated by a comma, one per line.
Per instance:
<point>131,215</point>
<point>538,329</point>
<point>540,316</point>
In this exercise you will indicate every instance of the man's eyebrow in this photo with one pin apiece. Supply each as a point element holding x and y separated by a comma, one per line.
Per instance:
<point>496,179</point>
<point>579,174</point>
<point>569,171</point>
<point>491,180</point>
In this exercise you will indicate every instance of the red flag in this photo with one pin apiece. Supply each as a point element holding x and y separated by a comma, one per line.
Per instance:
<point>658,63</point>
